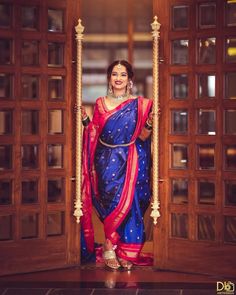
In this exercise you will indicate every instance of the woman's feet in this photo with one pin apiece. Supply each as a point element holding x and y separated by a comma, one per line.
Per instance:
<point>109,256</point>
<point>125,263</point>
<point>111,260</point>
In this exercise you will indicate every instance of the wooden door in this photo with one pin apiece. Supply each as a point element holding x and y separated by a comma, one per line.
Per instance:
<point>37,227</point>
<point>197,228</point>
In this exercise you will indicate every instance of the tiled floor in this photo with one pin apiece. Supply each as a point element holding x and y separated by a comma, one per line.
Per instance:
<point>95,280</point>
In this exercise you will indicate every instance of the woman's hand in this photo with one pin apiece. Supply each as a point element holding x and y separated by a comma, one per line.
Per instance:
<point>150,119</point>
<point>84,115</point>
<point>151,115</point>
<point>83,111</point>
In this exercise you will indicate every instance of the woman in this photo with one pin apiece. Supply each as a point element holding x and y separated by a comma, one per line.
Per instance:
<point>116,168</point>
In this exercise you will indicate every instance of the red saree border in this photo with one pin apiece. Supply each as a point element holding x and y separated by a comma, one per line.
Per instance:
<point>132,252</point>
<point>129,251</point>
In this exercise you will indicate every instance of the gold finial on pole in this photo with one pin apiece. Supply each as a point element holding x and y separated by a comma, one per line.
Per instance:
<point>155,159</point>
<point>78,152</point>
<point>155,28</point>
<point>79,30</point>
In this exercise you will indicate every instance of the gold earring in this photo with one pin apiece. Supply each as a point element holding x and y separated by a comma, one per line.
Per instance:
<point>110,90</point>
<point>131,84</point>
<point>129,87</point>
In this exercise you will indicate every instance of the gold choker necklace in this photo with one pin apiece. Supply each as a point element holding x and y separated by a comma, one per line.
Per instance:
<point>119,97</point>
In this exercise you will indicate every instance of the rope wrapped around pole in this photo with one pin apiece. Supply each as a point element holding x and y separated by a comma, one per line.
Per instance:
<point>155,205</point>
<point>78,152</point>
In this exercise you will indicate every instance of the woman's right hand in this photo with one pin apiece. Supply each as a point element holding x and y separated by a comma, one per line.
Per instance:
<point>83,111</point>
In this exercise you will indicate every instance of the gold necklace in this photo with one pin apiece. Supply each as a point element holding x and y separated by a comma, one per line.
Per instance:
<point>118,97</point>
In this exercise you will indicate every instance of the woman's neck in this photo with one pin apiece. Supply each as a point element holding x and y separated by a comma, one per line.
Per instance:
<point>119,93</point>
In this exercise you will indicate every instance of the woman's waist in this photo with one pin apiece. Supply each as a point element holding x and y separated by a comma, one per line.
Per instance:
<point>115,143</point>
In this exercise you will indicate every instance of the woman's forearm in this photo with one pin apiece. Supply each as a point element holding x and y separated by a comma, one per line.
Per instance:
<point>145,133</point>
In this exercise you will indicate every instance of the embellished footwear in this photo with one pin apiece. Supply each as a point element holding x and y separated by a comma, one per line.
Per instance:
<point>125,263</point>
<point>110,259</point>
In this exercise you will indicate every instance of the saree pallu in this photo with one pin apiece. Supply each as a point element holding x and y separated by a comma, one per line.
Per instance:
<point>116,176</point>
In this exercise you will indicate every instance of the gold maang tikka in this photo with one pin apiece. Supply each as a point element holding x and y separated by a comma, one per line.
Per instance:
<point>119,65</point>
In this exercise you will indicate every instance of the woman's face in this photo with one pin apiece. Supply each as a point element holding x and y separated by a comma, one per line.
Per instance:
<point>119,78</point>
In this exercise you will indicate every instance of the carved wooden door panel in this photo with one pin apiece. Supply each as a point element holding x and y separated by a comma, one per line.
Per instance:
<point>197,230</point>
<point>37,229</point>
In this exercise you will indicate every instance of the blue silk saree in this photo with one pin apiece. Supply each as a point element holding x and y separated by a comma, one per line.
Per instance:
<point>116,176</point>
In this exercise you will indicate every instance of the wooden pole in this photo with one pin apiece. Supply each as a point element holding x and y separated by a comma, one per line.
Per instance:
<point>78,151</point>
<point>155,135</point>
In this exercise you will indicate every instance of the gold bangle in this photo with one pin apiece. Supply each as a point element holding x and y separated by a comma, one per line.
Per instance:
<point>85,118</point>
<point>150,125</point>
